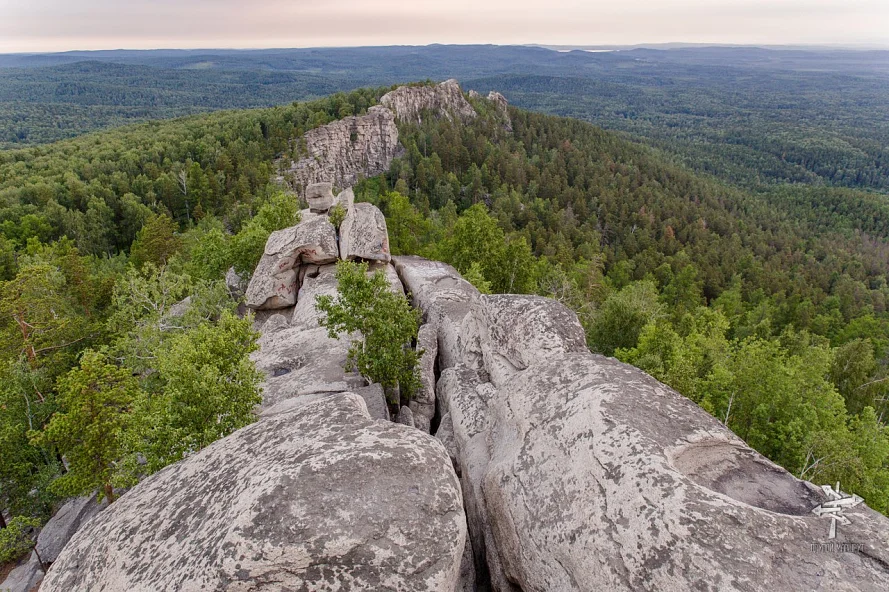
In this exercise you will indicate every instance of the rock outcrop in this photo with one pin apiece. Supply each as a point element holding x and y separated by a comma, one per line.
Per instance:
<point>502,106</point>
<point>274,282</point>
<point>25,577</point>
<point>347,150</point>
<point>53,537</point>
<point>442,100</point>
<point>582,473</point>
<point>548,468</point>
<point>363,234</point>
<point>318,498</point>
<point>320,197</point>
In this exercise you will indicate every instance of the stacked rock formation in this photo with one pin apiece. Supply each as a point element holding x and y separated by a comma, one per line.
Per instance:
<point>524,463</point>
<point>324,492</point>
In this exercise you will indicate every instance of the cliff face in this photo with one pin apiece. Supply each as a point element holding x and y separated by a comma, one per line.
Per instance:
<point>524,463</point>
<point>443,100</point>
<point>346,150</point>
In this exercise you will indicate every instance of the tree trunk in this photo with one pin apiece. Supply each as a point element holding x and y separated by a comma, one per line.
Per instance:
<point>109,493</point>
<point>2,520</point>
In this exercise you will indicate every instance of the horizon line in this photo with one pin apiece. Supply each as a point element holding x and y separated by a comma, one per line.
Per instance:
<point>865,46</point>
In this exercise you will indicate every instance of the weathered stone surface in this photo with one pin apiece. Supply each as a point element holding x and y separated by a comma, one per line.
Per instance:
<point>274,282</point>
<point>607,502</point>
<point>270,287</point>
<point>320,498</point>
<point>406,417</point>
<point>391,275</point>
<point>274,323</point>
<point>445,435</point>
<point>423,402</point>
<point>442,100</point>
<point>320,197</point>
<point>346,198</point>
<point>347,150</point>
<point>375,399</point>
<point>502,108</point>
<point>498,100</point>
<point>467,579</point>
<point>300,362</point>
<point>582,473</point>
<point>234,283</point>
<point>25,577</point>
<point>318,281</point>
<point>517,331</point>
<point>446,300</point>
<point>53,537</point>
<point>179,309</point>
<point>70,518</point>
<point>363,234</point>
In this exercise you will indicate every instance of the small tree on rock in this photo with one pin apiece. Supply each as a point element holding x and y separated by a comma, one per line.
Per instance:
<point>386,322</point>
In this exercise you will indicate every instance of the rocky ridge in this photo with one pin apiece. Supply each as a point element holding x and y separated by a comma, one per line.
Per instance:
<point>344,151</point>
<point>442,100</point>
<point>525,463</point>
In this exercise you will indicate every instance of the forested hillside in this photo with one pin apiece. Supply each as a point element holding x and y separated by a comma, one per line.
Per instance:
<point>101,239</point>
<point>769,310</point>
<point>746,115</point>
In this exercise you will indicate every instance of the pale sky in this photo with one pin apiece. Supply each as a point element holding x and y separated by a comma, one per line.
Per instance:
<point>57,25</point>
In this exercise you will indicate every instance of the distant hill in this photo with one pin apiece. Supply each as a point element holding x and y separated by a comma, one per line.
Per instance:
<point>748,115</point>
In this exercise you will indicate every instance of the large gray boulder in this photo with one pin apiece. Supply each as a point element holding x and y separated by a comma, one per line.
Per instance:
<point>318,281</point>
<point>24,577</point>
<point>320,498</point>
<point>320,197</point>
<point>375,399</point>
<point>446,301</point>
<point>582,473</point>
<point>346,198</point>
<point>70,518</point>
<point>599,477</point>
<point>344,151</point>
<point>442,100</point>
<point>363,234</point>
<point>274,282</point>
<point>301,362</point>
<point>53,537</point>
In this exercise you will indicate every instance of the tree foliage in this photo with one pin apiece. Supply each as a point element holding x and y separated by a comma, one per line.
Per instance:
<point>96,398</point>
<point>385,323</point>
<point>17,538</point>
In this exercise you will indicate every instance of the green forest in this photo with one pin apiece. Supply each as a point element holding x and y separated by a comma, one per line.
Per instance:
<point>122,349</point>
<point>767,308</point>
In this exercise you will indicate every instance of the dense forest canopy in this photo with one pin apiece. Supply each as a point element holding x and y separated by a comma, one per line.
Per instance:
<point>767,308</point>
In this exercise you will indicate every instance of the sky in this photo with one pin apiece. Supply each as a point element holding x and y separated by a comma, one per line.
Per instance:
<point>58,25</point>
